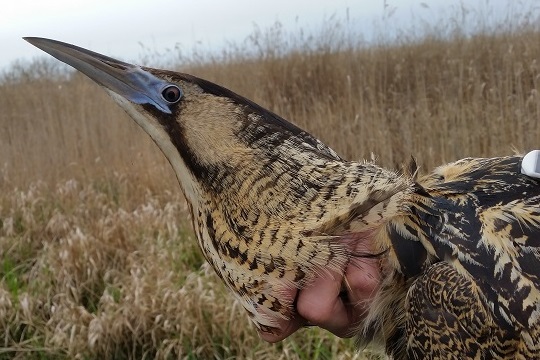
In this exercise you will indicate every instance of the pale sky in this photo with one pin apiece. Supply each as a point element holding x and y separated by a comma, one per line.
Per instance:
<point>117,27</point>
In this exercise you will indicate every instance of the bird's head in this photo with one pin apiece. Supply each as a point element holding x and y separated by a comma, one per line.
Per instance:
<point>202,128</point>
<point>266,198</point>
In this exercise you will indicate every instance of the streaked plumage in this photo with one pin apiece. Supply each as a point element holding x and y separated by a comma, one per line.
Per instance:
<point>273,207</point>
<point>467,272</point>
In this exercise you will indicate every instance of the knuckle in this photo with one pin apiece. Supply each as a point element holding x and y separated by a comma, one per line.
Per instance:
<point>315,312</point>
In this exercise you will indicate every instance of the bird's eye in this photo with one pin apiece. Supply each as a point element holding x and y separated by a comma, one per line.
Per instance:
<point>171,94</point>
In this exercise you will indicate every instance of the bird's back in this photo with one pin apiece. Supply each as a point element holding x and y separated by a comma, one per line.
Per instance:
<point>469,261</point>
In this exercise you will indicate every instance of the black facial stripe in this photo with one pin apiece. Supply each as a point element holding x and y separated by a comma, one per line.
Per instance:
<point>177,135</point>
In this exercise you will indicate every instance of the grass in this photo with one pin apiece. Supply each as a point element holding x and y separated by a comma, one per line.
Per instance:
<point>98,258</point>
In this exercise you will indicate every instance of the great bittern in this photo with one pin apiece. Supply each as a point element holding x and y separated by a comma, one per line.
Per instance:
<point>272,207</point>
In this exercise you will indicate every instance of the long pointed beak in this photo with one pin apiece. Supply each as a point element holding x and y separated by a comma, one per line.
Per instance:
<point>127,80</point>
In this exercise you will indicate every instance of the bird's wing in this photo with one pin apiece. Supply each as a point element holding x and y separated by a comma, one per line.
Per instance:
<point>446,317</point>
<point>484,220</point>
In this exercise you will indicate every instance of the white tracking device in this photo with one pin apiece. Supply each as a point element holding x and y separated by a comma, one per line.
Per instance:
<point>530,165</point>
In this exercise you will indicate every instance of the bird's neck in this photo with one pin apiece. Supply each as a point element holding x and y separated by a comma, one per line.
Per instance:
<point>270,226</point>
<point>317,196</point>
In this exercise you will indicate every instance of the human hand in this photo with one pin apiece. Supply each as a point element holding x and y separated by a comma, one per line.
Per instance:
<point>323,304</point>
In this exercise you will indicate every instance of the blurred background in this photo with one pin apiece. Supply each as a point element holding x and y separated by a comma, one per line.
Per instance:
<point>132,29</point>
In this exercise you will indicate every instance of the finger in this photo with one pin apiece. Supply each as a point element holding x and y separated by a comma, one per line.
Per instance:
<point>321,305</point>
<point>285,328</point>
<point>363,278</point>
